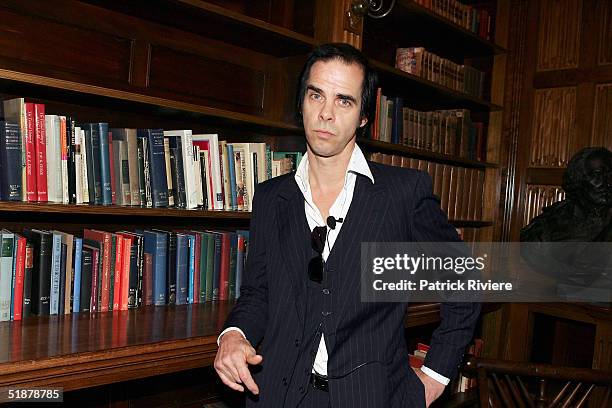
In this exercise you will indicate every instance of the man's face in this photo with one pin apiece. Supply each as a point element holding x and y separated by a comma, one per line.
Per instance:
<point>332,106</point>
<point>598,185</point>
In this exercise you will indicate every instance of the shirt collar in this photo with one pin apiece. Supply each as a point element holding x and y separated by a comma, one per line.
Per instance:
<point>357,164</point>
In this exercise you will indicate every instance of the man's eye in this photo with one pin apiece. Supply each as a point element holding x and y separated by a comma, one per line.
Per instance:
<point>345,103</point>
<point>315,96</point>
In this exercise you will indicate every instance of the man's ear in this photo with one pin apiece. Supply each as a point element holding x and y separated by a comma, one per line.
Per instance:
<point>364,120</point>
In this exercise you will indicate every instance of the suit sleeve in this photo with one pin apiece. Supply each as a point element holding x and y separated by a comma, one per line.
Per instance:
<point>250,312</point>
<point>457,320</point>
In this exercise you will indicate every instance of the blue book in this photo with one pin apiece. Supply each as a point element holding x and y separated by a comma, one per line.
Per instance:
<point>156,244</point>
<point>105,171</point>
<point>233,265</point>
<point>76,291</point>
<point>157,165</point>
<point>10,162</point>
<point>62,287</point>
<point>232,177</point>
<point>182,268</point>
<point>216,281</point>
<point>191,264</point>
<point>56,266</point>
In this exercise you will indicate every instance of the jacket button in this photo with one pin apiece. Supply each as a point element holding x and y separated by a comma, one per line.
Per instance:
<point>325,314</point>
<point>326,291</point>
<point>301,390</point>
<point>297,343</point>
<point>284,381</point>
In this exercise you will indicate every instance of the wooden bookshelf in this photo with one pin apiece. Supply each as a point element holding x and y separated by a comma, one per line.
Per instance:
<point>423,154</point>
<point>423,94</point>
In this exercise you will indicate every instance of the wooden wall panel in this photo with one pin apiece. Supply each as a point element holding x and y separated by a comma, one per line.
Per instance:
<point>43,44</point>
<point>559,34</point>
<point>538,197</point>
<point>602,121</point>
<point>554,127</point>
<point>207,79</point>
<point>604,17</point>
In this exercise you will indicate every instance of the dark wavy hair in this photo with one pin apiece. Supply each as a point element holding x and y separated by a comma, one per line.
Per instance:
<point>349,55</point>
<point>576,172</point>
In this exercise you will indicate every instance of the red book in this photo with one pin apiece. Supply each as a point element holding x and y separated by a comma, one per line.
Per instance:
<point>30,151</point>
<point>104,278</point>
<point>147,279</point>
<point>125,273</point>
<point>225,266</point>
<point>111,160</point>
<point>95,259</point>
<point>41,152</point>
<point>19,274</point>
<point>118,272</point>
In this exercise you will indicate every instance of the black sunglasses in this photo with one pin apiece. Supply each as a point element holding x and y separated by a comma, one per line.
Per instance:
<point>317,264</point>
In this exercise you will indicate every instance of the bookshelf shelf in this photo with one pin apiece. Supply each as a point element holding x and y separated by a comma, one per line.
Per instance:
<point>457,38</point>
<point>219,23</point>
<point>423,94</point>
<point>118,210</point>
<point>86,350</point>
<point>60,89</point>
<point>423,154</point>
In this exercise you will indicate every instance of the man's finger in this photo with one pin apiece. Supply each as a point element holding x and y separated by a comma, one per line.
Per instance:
<point>247,379</point>
<point>230,383</point>
<point>254,359</point>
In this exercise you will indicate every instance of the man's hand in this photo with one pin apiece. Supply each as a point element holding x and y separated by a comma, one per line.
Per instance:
<point>231,362</point>
<point>433,388</point>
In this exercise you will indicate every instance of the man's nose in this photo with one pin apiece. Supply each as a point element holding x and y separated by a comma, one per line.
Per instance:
<point>327,111</point>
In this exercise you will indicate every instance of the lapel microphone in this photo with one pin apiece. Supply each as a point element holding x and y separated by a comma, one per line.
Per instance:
<point>331,221</point>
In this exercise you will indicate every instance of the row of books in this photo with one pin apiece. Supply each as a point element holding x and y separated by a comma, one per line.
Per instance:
<point>53,272</point>
<point>476,20</point>
<point>450,132</point>
<point>420,62</point>
<point>59,160</point>
<point>460,189</point>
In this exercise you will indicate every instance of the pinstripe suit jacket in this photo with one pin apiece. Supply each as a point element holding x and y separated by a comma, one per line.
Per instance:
<point>399,206</point>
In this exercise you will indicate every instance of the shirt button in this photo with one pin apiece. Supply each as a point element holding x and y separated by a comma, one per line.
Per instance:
<point>326,291</point>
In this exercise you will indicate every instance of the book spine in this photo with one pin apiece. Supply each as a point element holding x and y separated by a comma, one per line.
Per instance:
<point>71,160</point>
<point>168,172</point>
<point>95,281</point>
<point>113,173</point>
<point>118,278</point>
<point>11,188</point>
<point>178,176</point>
<point>6,275</point>
<point>125,273</point>
<point>63,281</point>
<point>84,304</point>
<point>41,152</point>
<point>104,157</point>
<point>27,280</point>
<point>63,149</point>
<point>182,269</point>
<point>30,151</point>
<point>196,267</point>
<point>56,262</point>
<point>96,154</point>
<point>191,264</point>
<point>157,166</point>
<point>20,264</point>
<point>141,174</point>
<point>171,270</point>
<point>225,267</point>
<point>76,292</point>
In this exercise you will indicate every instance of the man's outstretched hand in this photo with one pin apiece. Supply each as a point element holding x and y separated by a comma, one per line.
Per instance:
<point>233,357</point>
<point>433,389</point>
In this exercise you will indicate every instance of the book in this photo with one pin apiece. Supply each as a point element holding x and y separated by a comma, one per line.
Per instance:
<point>155,245</point>
<point>210,143</point>
<point>186,145</point>
<point>7,242</point>
<point>14,112</point>
<point>10,162</point>
<point>157,165</point>
<point>42,243</point>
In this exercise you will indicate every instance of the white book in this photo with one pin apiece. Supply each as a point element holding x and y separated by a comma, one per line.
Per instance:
<point>197,171</point>
<point>248,178</point>
<point>212,141</point>
<point>187,152</point>
<point>64,160</point>
<point>78,166</point>
<point>227,194</point>
<point>54,159</point>
<point>7,240</point>
<point>84,178</point>
<point>171,190</point>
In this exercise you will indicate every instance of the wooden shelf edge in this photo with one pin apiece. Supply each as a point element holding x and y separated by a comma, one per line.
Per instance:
<point>145,99</point>
<point>450,92</point>
<point>250,21</point>
<point>111,365</point>
<point>411,151</point>
<point>412,5</point>
<point>18,206</point>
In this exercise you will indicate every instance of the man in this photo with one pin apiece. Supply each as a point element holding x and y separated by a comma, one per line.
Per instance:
<point>300,300</point>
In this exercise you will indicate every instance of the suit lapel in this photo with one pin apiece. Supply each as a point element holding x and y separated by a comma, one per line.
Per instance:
<point>363,224</point>
<point>293,236</point>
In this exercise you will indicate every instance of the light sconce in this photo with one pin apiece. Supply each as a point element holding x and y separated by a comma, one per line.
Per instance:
<point>360,8</point>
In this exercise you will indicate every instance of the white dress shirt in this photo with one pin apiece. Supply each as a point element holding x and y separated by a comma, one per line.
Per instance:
<point>339,209</point>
